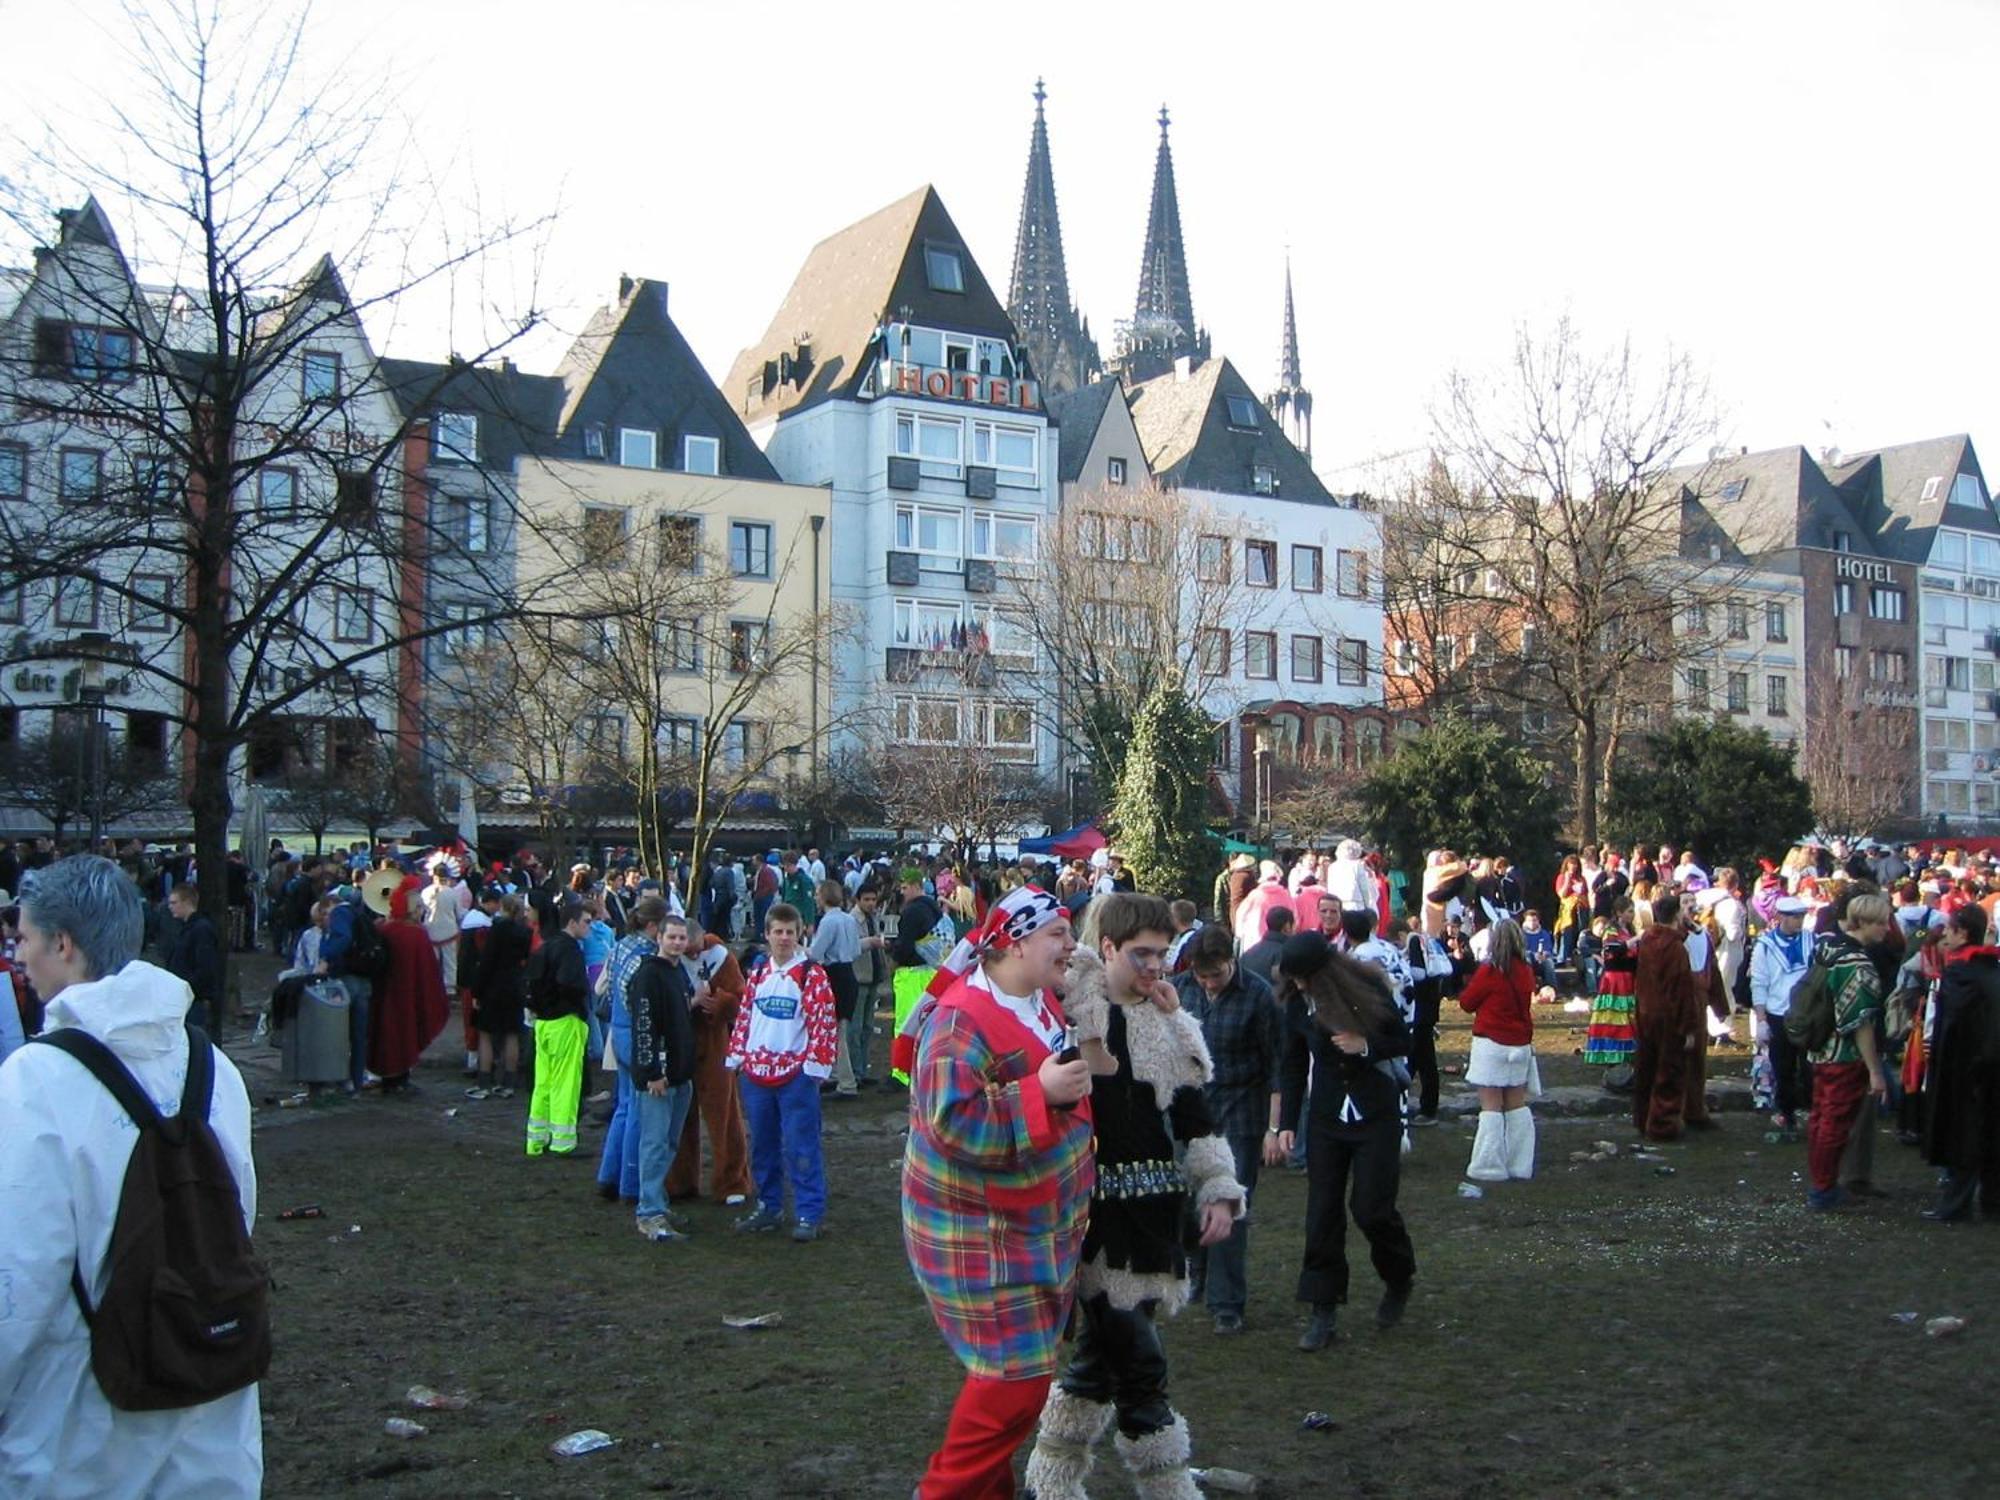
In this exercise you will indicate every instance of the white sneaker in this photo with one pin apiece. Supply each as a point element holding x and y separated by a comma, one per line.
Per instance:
<point>735,1200</point>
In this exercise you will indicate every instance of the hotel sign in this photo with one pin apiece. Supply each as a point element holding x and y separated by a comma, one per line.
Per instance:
<point>1866,569</point>
<point>902,379</point>
<point>1983,588</point>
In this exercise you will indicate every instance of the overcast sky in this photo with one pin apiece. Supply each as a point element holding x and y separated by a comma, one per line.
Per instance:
<point>1799,194</point>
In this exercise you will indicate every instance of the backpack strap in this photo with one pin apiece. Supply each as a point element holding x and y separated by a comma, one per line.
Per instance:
<point>198,1093</point>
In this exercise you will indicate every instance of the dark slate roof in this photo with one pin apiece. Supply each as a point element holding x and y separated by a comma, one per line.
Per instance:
<point>1886,488</point>
<point>1079,414</point>
<point>851,283</point>
<point>517,412</point>
<point>1766,502</point>
<point>1184,427</point>
<point>630,367</point>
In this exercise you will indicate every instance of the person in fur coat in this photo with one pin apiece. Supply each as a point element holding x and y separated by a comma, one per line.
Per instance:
<point>1157,1147</point>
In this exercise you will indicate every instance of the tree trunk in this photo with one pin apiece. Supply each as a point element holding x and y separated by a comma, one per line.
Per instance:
<point>1586,778</point>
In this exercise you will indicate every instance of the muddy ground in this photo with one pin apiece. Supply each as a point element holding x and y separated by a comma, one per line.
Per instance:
<point>1604,1330</point>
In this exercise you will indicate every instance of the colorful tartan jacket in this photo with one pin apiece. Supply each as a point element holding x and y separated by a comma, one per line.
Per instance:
<point>996,1188</point>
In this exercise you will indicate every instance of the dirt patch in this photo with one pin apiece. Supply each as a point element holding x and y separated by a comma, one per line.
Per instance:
<point>1602,1331</point>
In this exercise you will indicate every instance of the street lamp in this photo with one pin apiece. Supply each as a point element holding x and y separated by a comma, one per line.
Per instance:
<point>90,691</point>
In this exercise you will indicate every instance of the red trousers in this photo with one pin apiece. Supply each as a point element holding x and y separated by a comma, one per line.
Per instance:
<point>989,1421</point>
<point>1839,1092</point>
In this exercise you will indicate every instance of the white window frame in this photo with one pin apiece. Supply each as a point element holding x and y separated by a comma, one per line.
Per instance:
<point>986,436</point>
<point>711,449</point>
<point>1777,695</point>
<point>914,621</point>
<point>678,638</point>
<point>910,518</point>
<point>627,436</point>
<point>907,719</point>
<point>1404,661</point>
<point>985,718</point>
<point>1010,640</point>
<point>1114,470</point>
<point>989,551</point>
<point>319,390</point>
<point>756,636</point>
<point>455,438</point>
<point>1880,594</point>
<point>1269,549</point>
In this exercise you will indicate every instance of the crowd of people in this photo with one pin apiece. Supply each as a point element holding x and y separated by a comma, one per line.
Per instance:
<point>1096,1076</point>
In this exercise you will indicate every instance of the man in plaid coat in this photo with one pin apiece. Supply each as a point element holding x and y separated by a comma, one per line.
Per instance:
<point>996,1181</point>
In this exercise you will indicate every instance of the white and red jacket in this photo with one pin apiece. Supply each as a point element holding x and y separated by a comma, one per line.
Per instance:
<point>785,1024</point>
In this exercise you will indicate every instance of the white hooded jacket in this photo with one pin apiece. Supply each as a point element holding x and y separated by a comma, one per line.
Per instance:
<point>64,1145</point>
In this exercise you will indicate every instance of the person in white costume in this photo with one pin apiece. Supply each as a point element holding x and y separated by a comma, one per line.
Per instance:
<point>64,1144</point>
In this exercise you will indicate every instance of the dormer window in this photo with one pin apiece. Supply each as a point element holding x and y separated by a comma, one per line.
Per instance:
<point>944,269</point>
<point>455,438</point>
<point>638,448</point>
<point>701,455</point>
<point>1243,413</point>
<point>593,440</point>
<point>1263,480</point>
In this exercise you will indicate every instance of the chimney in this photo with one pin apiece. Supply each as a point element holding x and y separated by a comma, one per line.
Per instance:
<point>624,288</point>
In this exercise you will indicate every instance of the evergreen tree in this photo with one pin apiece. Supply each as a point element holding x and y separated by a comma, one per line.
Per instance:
<point>1161,811</point>
<point>1728,792</point>
<point>1462,786</point>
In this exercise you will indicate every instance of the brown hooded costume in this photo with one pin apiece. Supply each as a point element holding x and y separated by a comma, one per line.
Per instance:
<point>1667,1013</point>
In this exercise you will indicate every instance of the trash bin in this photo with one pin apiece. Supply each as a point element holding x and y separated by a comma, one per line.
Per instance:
<point>315,1043</point>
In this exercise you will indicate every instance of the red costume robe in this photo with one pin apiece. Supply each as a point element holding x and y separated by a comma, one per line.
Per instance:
<point>409,1008</point>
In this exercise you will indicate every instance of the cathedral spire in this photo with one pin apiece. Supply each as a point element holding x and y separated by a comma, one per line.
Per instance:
<point>1291,403</point>
<point>1163,327</point>
<point>1038,300</point>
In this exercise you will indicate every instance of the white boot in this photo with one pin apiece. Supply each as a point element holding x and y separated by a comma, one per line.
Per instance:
<point>1062,1457</point>
<point>1520,1125</point>
<point>1158,1462</point>
<point>1489,1149</point>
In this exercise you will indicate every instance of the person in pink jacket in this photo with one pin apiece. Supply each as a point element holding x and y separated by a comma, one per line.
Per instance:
<point>1269,892</point>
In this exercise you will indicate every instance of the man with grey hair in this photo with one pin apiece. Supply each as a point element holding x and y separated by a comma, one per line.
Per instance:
<point>64,1145</point>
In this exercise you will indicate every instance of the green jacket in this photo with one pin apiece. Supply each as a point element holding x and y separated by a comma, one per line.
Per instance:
<point>1857,999</point>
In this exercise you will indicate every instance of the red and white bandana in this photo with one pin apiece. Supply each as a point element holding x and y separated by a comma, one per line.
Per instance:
<point>1018,915</point>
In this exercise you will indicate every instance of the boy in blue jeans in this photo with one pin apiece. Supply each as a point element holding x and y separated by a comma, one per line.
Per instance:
<point>782,1048</point>
<point>662,1065</point>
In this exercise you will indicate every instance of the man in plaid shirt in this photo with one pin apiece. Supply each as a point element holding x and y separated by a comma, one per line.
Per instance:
<point>1244,1029</point>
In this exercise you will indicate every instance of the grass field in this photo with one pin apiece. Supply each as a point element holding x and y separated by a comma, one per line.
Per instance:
<point>1604,1330</point>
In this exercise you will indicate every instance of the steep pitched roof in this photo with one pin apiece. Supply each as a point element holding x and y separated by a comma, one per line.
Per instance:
<point>1185,424</point>
<point>1079,414</point>
<point>631,367</point>
<point>1904,493</point>
<point>820,343</point>
<point>517,412</point>
<point>1768,502</point>
<point>1164,298</point>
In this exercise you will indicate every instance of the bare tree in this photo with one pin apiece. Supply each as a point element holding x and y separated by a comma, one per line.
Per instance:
<point>1861,762</point>
<point>970,797</point>
<point>1125,595</point>
<point>50,774</point>
<point>315,800</point>
<point>1544,560</point>
<point>227,463</point>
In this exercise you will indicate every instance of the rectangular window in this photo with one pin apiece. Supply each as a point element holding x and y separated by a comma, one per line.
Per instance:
<point>1739,621</point>
<point>1777,695</point>
<point>749,645</point>
<point>146,607</point>
<point>1843,662</point>
<point>319,377</point>
<point>1885,604</point>
<point>1243,413</point>
<point>680,644</point>
<point>1353,663</point>
<point>1774,622</point>
<point>353,617</point>
<point>1263,480</point>
<point>638,448</point>
<point>1115,470</point>
<point>1405,660</point>
<point>1529,640</point>
<point>277,491</point>
<point>12,610</point>
<point>152,479</point>
<point>1011,450</point>
<point>81,476</point>
<point>1353,574</point>
<point>928,721</point>
<point>1738,689</point>
<point>1965,491</point>
<point>680,739</point>
<point>13,471</point>
<point>928,625</point>
<point>1948,550</point>
<point>76,603</point>
<point>1003,538</point>
<point>749,549</point>
<point>604,536</point>
<point>1697,619</point>
<point>455,438</point>
<point>1260,655</point>
<point>1008,728</point>
<point>1003,634</point>
<point>1215,653</point>
<point>478,534</point>
<point>1306,570</point>
<point>937,536</point>
<point>1697,687</point>
<point>701,455</point>
<point>1260,564</point>
<point>1958,673</point>
<point>1212,559</point>
<point>1884,666</point>
<point>593,440</point>
<point>1306,665</point>
<point>943,269</point>
<point>680,543</point>
<point>1843,598</point>
<point>1986,554</point>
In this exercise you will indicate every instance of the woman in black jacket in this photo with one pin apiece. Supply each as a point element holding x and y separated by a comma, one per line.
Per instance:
<point>1342,1021</point>
<point>499,996</point>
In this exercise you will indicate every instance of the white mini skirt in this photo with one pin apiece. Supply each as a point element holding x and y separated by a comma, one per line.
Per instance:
<point>1494,1066</point>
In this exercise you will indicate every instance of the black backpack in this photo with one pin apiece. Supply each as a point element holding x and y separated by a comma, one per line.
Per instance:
<point>1809,1023</point>
<point>367,955</point>
<point>186,1315</point>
